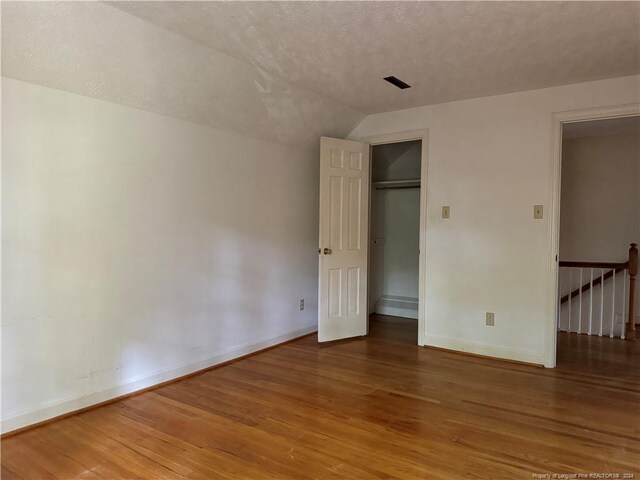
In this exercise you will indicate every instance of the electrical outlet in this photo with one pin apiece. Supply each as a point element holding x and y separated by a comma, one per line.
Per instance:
<point>446,211</point>
<point>538,212</point>
<point>302,304</point>
<point>490,319</point>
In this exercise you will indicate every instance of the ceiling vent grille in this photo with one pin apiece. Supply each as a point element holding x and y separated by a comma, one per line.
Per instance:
<point>397,82</point>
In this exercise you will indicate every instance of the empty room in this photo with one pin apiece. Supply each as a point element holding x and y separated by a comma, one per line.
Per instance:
<point>320,240</point>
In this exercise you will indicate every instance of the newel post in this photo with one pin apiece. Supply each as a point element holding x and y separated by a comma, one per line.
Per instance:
<point>633,274</point>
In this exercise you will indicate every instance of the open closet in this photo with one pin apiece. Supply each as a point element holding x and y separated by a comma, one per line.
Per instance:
<point>395,229</point>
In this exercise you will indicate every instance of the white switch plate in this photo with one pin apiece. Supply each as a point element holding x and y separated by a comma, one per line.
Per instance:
<point>538,212</point>
<point>490,319</point>
<point>446,211</point>
<point>302,304</point>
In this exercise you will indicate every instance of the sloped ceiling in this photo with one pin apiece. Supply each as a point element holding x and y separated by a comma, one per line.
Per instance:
<point>93,49</point>
<point>445,50</point>
<point>384,155</point>
<point>292,71</point>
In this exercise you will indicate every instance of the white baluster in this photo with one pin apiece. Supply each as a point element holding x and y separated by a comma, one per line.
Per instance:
<point>624,302</point>
<point>580,302</point>
<point>591,301</point>
<point>601,300</point>
<point>570,299</point>
<point>613,302</point>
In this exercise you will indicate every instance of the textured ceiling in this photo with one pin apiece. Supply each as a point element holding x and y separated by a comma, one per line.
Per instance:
<point>596,128</point>
<point>93,49</point>
<point>293,71</point>
<point>445,50</point>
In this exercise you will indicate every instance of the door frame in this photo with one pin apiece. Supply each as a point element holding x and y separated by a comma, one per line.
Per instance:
<point>398,137</point>
<point>557,121</point>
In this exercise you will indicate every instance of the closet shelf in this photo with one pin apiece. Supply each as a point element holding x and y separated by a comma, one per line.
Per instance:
<point>397,184</point>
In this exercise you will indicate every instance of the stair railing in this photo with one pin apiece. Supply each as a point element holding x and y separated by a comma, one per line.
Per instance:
<point>583,310</point>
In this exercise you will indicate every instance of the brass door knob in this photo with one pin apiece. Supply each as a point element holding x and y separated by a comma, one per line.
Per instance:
<point>327,251</point>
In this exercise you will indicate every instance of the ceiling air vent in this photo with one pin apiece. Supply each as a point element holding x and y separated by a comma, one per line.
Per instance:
<point>397,82</point>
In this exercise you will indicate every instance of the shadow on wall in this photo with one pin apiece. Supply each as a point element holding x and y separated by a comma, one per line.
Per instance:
<point>142,244</point>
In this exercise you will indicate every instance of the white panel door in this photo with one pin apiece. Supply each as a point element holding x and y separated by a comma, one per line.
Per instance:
<point>344,231</point>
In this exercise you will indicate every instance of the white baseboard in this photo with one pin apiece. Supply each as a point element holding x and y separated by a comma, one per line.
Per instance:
<point>397,312</point>
<point>58,408</point>
<point>397,306</point>
<point>486,350</point>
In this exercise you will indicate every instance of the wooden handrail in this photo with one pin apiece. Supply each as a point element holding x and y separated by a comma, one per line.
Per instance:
<point>633,274</point>
<point>621,266</point>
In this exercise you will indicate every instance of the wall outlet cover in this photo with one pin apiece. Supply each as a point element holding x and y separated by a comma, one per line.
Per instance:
<point>490,319</point>
<point>446,211</point>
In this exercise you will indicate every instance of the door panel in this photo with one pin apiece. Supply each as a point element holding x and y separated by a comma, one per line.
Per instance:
<point>344,227</point>
<point>353,213</point>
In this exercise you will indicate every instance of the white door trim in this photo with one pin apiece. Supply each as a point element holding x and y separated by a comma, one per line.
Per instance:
<point>558,119</point>
<point>407,136</point>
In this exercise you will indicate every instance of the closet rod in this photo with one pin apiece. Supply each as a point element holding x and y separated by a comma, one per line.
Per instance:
<point>397,184</point>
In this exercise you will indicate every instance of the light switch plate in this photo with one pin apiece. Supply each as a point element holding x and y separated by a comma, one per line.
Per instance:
<point>446,211</point>
<point>538,212</point>
<point>302,304</point>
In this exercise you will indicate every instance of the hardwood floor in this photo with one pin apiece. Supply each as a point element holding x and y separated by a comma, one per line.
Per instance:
<point>375,407</point>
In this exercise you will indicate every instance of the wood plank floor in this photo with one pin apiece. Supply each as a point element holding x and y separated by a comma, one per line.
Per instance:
<point>376,407</point>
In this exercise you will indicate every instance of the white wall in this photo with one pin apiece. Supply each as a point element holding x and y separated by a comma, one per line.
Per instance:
<point>490,160</point>
<point>600,205</point>
<point>401,235</point>
<point>395,221</point>
<point>137,247</point>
